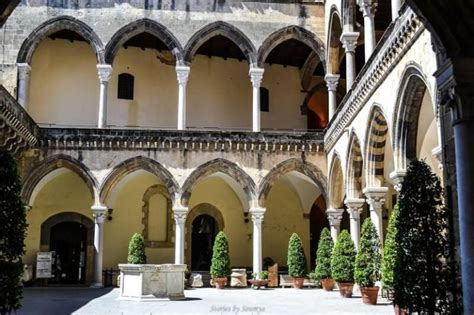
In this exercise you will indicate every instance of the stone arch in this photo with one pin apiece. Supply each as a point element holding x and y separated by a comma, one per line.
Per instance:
<point>66,217</point>
<point>376,138</point>
<point>334,46</point>
<point>298,165</point>
<point>131,165</point>
<point>58,24</point>
<point>354,167</point>
<point>336,183</point>
<point>406,114</point>
<point>143,26</point>
<point>349,9</point>
<point>291,32</point>
<point>219,166</point>
<point>224,29</point>
<point>47,166</point>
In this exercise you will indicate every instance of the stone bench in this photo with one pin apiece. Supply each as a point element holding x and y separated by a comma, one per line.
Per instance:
<point>287,282</point>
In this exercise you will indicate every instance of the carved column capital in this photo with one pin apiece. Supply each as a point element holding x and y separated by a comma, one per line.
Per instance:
<point>375,197</point>
<point>332,80</point>
<point>397,178</point>
<point>354,207</point>
<point>99,212</point>
<point>105,72</point>
<point>367,7</point>
<point>256,76</point>
<point>180,214</point>
<point>24,71</point>
<point>349,41</point>
<point>257,214</point>
<point>182,72</point>
<point>334,216</point>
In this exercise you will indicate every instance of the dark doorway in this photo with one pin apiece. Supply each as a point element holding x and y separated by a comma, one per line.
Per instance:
<point>317,222</point>
<point>204,233</point>
<point>69,242</point>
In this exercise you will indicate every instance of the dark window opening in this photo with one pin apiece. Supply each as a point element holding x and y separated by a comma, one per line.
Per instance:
<point>264,100</point>
<point>125,86</point>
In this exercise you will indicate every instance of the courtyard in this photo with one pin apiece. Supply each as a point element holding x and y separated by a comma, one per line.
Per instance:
<point>80,300</point>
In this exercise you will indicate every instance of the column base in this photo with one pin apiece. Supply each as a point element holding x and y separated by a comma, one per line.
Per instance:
<point>96,285</point>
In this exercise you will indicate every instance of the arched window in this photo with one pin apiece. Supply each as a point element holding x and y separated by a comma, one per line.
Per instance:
<point>125,86</point>
<point>264,100</point>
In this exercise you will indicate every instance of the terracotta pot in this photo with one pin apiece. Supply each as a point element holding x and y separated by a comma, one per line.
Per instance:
<point>328,284</point>
<point>257,284</point>
<point>220,282</point>
<point>399,311</point>
<point>298,283</point>
<point>345,289</point>
<point>369,295</point>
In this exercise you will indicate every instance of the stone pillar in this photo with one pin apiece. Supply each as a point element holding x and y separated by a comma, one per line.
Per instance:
<point>334,218</point>
<point>256,75</point>
<point>24,71</point>
<point>397,178</point>
<point>179,214</point>
<point>396,5</point>
<point>257,219</point>
<point>105,71</point>
<point>182,72</point>
<point>367,7</point>
<point>354,207</point>
<point>99,213</point>
<point>349,42</point>
<point>331,82</point>
<point>376,199</point>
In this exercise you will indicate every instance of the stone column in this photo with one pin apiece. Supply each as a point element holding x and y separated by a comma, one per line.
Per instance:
<point>24,71</point>
<point>99,213</point>
<point>105,71</point>
<point>376,199</point>
<point>182,73</point>
<point>332,81</point>
<point>334,218</point>
<point>257,219</point>
<point>354,207</point>
<point>256,75</point>
<point>179,214</point>
<point>367,7</point>
<point>397,178</point>
<point>349,42</point>
<point>396,5</point>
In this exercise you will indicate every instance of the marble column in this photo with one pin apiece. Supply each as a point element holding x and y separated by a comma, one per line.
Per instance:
<point>24,71</point>
<point>99,212</point>
<point>257,219</point>
<point>332,81</point>
<point>334,218</point>
<point>349,42</point>
<point>256,76</point>
<point>376,199</point>
<point>104,71</point>
<point>179,213</point>
<point>397,178</point>
<point>354,207</point>
<point>367,7</point>
<point>396,5</point>
<point>182,72</point>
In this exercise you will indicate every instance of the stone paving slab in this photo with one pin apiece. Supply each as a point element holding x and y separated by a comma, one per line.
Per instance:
<point>54,301</point>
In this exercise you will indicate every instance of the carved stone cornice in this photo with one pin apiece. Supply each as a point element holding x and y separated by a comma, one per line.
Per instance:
<point>393,45</point>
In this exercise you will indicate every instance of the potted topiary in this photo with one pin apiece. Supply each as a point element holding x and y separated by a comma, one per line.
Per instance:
<point>342,263</point>
<point>367,264</point>
<point>389,254</point>
<point>322,272</point>
<point>136,250</point>
<point>220,267</point>
<point>296,261</point>
<point>259,279</point>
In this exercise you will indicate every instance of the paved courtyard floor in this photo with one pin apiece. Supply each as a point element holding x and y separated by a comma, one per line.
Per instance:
<point>198,301</point>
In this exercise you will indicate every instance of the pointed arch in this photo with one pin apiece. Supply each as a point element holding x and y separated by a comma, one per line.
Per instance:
<point>225,29</point>
<point>336,183</point>
<point>47,166</point>
<point>219,166</point>
<point>143,26</point>
<point>298,165</point>
<point>334,46</point>
<point>354,167</point>
<point>376,139</point>
<point>291,32</point>
<point>134,164</point>
<point>54,25</point>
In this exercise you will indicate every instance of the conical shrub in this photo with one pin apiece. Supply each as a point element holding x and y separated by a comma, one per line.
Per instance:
<point>220,266</point>
<point>323,255</point>
<point>296,258</point>
<point>136,250</point>
<point>343,256</point>
<point>367,263</point>
<point>389,252</point>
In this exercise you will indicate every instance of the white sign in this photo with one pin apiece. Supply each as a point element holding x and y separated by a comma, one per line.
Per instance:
<point>44,262</point>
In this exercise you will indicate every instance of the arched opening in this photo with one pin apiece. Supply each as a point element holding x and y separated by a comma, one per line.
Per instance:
<point>204,231</point>
<point>317,222</point>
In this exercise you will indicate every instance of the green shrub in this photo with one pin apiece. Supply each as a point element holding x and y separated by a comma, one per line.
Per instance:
<point>343,256</point>
<point>296,258</point>
<point>323,256</point>
<point>389,251</point>
<point>422,274</point>
<point>367,263</point>
<point>136,250</point>
<point>220,267</point>
<point>12,235</point>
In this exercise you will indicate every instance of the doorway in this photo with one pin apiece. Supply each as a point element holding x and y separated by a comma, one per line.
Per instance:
<point>204,231</point>
<point>318,221</point>
<point>68,241</point>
